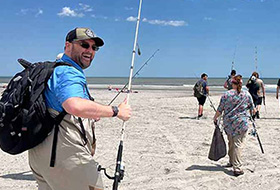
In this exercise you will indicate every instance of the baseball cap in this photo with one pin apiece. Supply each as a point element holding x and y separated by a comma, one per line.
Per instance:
<point>83,34</point>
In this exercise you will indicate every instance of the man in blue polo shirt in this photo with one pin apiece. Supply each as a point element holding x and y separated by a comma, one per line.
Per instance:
<point>67,91</point>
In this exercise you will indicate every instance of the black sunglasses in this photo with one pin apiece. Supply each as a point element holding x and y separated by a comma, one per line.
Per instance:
<point>86,46</point>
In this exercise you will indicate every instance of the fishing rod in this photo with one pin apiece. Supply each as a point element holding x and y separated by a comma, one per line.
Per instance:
<point>255,133</point>
<point>119,170</point>
<point>137,73</point>
<point>234,53</point>
<point>211,104</point>
<point>256,58</point>
<point>264,104</point>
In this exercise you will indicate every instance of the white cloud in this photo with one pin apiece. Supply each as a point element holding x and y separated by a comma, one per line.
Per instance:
<point>40,12</point>
<point>232,9</point>
<point>131,19</point>
<point>35,12</point>
<point>128,8</point>
<point>85,8</point>
<point>67,12</point>
<point>23,11</point>
<point>208,18</point>
<point>175,23</point>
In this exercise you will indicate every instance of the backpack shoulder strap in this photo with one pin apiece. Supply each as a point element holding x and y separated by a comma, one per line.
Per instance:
<point>62,63</point>
<point>57,120</point>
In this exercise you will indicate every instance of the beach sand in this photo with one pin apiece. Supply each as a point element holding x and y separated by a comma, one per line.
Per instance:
<point>165,147</point>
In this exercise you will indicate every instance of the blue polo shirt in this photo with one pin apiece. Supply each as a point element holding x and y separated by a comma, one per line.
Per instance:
<point>65,82</point>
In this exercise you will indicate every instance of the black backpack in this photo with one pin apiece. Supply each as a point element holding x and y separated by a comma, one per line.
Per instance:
<point>24,119</point>
<point>198,89</point>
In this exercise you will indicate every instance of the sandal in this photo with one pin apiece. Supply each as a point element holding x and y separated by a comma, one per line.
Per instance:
<point>238,173</point>
<point>228,165</point>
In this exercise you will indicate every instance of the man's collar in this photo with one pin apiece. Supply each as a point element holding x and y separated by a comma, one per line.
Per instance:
<point>67,59</point>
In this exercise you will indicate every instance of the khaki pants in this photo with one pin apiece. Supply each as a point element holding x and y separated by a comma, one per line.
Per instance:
<point>235,145</point>
<point>75,168</point>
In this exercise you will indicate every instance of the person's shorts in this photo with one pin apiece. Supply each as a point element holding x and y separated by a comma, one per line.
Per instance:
<point>257,101</point>
<point>201,100</point>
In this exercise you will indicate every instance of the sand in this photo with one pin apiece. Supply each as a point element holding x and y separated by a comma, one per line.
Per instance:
<point>165,147</point>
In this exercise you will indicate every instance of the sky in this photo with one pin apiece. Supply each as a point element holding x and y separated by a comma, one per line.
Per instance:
<point>193,36</point>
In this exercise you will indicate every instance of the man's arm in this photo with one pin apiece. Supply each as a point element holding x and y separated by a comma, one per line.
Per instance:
<point>263,89</point>
<point>89,109</point>
<point>277,91</point>
<point>226,85</point>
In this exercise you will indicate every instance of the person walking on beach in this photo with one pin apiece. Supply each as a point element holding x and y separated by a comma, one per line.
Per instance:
<point>201,89</point>
<point>277,89</point>
<point>67,90</point>
<point>235,104</point>
<point>228,83</point>
<point>256,88</point>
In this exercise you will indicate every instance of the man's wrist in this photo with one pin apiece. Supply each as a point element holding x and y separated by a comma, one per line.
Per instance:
<point>115,111</point>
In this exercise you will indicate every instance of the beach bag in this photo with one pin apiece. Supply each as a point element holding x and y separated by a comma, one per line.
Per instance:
<point>24,119</point>
<point>218,146</point>
<point>198,89</point>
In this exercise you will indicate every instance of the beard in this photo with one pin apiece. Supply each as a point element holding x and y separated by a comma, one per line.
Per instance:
<point>82,59</point>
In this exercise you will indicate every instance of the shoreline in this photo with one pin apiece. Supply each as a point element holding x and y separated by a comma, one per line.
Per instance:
<point>270,89</point>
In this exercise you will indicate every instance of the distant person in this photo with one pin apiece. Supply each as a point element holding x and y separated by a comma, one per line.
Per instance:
<point>278,87</point>
<point>201,89</point>
<point>228,83</point>
<point>59,56</point>
<point>256,88</point>
<point>110,87</point>
<point>235,104</point>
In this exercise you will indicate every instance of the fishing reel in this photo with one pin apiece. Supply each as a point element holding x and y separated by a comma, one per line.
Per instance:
<point>253,132</point>
<point>119,173</point>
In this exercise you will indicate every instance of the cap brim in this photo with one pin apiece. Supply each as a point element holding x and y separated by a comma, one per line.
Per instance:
<point>98,41</point>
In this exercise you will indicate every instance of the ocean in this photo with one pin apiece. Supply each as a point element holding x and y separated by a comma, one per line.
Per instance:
<point>160,83</point>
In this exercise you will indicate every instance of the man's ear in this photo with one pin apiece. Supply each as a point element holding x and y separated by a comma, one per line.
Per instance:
<point>67,47</point>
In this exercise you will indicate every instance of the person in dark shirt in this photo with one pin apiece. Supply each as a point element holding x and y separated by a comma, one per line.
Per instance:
<point>204,91</point>
<point>278,87</point>
<point>257,90</point>
<point>228,82</point>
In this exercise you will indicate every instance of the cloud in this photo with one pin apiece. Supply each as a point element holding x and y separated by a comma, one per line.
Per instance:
<point>40,12</point>
<point>99,17</point>
<point>35,12</point>
<point>175,23</point>
<point>128,8</point>
<point>67,12</point>
<point>232,9</point>
<point>131,19</point>
<point>85,8</point>
<point>23,11</point>
<point>208,18</point>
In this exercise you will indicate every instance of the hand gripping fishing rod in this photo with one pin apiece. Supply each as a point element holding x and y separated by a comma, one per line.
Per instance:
<point>137,73</point>
<point>255,134</point>
<point>119,171</point>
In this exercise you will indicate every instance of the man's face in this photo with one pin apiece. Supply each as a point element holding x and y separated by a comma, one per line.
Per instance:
<point>205,77</point>
<point>82,52</point>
